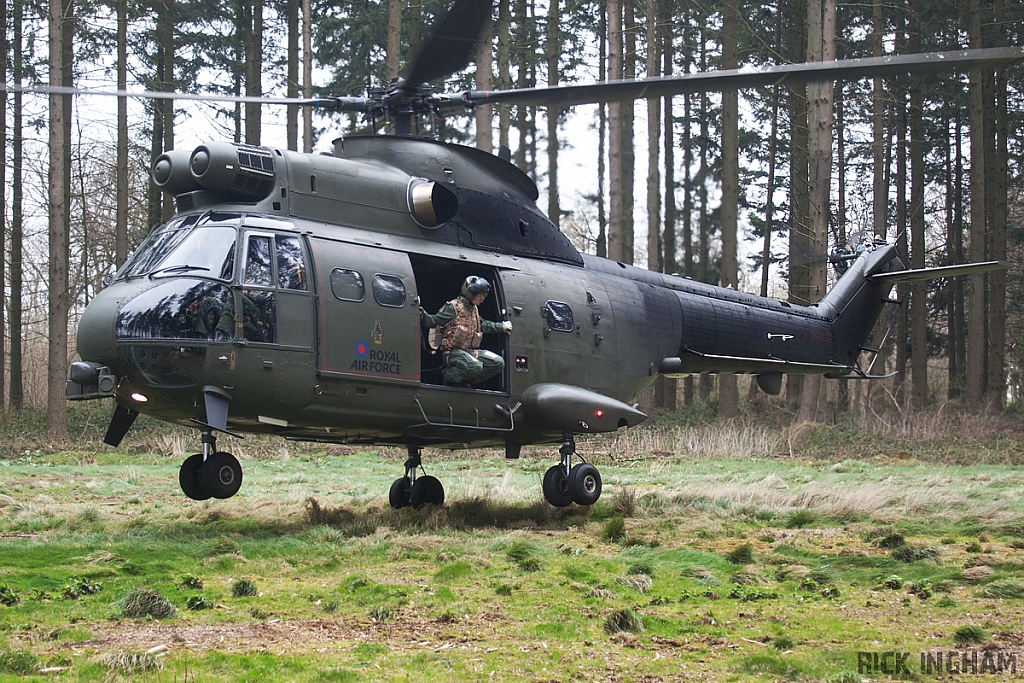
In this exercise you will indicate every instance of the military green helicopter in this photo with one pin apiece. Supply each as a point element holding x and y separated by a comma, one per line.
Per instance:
<point>283,297</point>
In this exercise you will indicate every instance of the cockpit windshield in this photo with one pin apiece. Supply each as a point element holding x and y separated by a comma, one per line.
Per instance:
<point>201,245</point>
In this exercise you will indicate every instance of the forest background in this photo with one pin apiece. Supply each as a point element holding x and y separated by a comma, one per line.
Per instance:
<point>930,163</point>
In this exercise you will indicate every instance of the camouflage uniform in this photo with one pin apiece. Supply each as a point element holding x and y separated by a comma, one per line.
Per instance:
<point>462,331</point>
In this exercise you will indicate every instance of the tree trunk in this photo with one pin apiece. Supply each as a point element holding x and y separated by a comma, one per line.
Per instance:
<point>728,398</point>
<point>307,76</point>
<point>59,258</point>
<point>553,48</point>
<point>393,49</point>
<point>168,85</point>
<point>16,393</point>
<point>655,261</point>
<point>292,86</point>
<point>121,217</point>
<point>3,183</point>
<point>769,203</point>
<point>977,349</point>
<point>504,71</point>
<point>821,45</point>
<point>795,44</point>
<point>628,154</point>
<point>900,384</point>
<point>522,78</point>
<point>918,300</point>
<point>254,74</point>
<point>616,209</point>
<point>668,245</point>
<point>602,127</point>
<point>484,114</point>
<point>958,328</point>
<point>997,234</point>
<point>843,404</point>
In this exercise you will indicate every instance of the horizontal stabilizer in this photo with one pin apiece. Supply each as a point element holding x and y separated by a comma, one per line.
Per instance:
<point>940,272</point>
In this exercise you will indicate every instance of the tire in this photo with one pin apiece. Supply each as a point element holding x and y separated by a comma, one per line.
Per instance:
<point>556,487</point>
<point>584,484</point>
<point>188,478</point>
<point>426,491</point>
<point>398,496</point>
<point>221,475</point>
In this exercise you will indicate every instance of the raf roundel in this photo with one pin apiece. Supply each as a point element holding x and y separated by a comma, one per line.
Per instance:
<point>361,349</point>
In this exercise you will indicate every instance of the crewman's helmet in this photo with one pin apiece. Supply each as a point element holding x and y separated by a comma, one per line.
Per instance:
<point>475,285</point>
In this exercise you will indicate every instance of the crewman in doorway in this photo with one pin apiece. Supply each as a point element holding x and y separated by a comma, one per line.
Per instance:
<point>462,330</point>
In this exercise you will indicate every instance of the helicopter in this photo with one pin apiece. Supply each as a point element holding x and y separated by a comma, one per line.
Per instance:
<point>284,296</point>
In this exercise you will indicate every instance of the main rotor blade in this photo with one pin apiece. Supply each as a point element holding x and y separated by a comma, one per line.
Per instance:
<point>159,95</point>
<point>847,69</point>
<point>452,44</point>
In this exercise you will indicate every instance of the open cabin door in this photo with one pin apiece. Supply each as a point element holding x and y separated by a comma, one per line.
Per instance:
<point>369,312</point>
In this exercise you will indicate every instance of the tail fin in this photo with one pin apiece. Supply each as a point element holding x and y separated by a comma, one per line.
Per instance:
<point>857,300</point>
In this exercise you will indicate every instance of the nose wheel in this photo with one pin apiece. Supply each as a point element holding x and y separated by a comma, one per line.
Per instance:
<point>565,484</point>
<point>413,490</point>
<point>210,474</point>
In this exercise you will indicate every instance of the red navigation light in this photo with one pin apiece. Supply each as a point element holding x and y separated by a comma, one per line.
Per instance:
<point>599,413</point>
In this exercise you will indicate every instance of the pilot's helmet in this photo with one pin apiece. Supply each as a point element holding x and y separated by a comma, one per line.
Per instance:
<point>475,285</point>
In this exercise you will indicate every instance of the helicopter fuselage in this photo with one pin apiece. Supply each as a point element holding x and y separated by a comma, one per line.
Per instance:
<point>289,286</point>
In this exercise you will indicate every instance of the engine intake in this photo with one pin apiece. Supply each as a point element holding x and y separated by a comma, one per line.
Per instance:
<point>239,171</point>
<point>171,172</point>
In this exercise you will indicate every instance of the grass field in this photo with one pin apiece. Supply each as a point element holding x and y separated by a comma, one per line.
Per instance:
<point>733,552</point>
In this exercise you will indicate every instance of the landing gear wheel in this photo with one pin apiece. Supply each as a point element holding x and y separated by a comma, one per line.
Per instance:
<point>221,475</point>
<point>556,487</point>
<point>584,484</point>
<point>188,478</point>
<point>400,492</point>
<point>426,490</point>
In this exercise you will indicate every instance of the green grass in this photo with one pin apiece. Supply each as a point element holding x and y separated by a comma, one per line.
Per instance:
<point>840,549</point>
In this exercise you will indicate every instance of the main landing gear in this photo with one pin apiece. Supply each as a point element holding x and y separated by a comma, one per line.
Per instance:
<point>210,474</point>
<point>565,484</point>
<point>413,490</point>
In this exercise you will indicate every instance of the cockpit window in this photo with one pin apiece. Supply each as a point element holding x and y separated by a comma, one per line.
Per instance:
<point>197,244</point>
<point>206,251</point>
<point>159,243</point>
<point>179,309</point>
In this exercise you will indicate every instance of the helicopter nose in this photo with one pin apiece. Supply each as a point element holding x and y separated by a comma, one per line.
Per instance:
<point>96,329</point>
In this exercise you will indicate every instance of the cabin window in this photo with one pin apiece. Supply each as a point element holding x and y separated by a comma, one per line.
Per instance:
<point>347,285</point>
<point>257,261</point>
<point>291,271</point>
<point>559,316</point>
<point>388,290</point>
<point>259,316</point>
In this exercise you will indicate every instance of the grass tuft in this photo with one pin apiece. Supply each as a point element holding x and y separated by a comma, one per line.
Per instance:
<point>970,635</point>
<point>243,588</point>
<point>915,553</point>
<point>145,602</point>
<point>624,620</point>
<point>624,503</point>
<point>614,529</point>
<point>798,519</point>
<point>18,662</point>
<point>742,555</point>
<point>120,661</point>
<point>891,541</point>
<point>641,583</point>
<point>1004,590</point>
